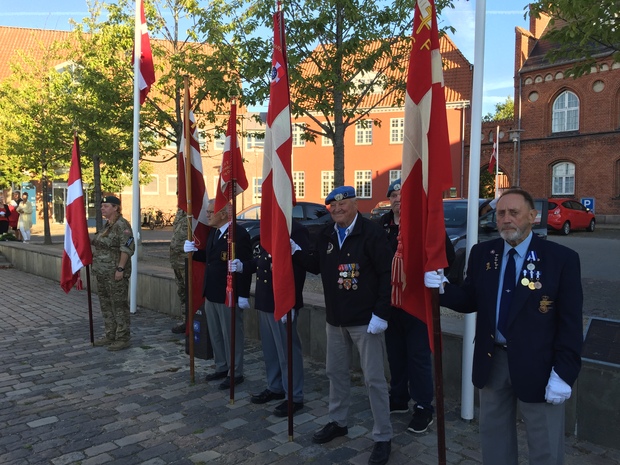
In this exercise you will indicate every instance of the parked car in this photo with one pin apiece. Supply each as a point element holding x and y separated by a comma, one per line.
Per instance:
<point>455,218</point>
<point>313,216</point>
<point>568,214</point>
<point>380,209</point>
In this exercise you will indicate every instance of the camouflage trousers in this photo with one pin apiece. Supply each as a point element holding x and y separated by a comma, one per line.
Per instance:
<point>179,279</point>
<point>114,300</point>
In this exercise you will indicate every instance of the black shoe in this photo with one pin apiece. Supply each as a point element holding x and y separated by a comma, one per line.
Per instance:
<point>216,375</point>
<point>282,409</point>
<point>330,431</point>
<point>422,419</point>
<point>266,396</point>
<point>380,453</point>
<point>398,407</point>
<point>226,383</point>
<point>179,329</point>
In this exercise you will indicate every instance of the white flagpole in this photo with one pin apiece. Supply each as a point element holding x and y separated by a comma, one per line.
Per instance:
<point>497,162</point>
<point>467,388</point>
<point>135,204</point>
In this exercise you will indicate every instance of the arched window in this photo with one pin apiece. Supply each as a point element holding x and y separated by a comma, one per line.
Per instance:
<point>565,113</point>
<point>564,179</point>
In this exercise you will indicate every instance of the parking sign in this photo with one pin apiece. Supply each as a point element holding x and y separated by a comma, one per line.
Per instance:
<point>588,202</point>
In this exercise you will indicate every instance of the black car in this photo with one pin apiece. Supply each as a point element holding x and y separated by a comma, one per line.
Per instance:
<point>314,216</point>
<point>455,218</point>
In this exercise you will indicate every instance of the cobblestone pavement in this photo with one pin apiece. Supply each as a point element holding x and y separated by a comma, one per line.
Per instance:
<point>65,402</point>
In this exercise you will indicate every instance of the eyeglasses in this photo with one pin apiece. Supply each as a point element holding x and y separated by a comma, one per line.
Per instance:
<point>210,212</point>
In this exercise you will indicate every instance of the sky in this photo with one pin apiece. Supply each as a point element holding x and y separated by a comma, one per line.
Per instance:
<point>502,16</point>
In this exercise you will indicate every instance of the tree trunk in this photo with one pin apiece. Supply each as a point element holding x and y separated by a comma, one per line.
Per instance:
<point>97,191</point>
<point>47,235</point>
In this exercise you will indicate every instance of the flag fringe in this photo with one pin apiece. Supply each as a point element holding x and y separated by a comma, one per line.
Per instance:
<point>398,276</point>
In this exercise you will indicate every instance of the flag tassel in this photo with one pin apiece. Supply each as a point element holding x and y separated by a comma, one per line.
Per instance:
<point>398,275</point>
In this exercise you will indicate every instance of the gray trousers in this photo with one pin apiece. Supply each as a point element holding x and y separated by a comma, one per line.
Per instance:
<point>219,324</point>
<point>274,341</point>
<point>340,342</point>
<point>544,422</point>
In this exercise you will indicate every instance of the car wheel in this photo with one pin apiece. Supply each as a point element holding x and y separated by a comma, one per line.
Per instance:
<point>256,249</point>
<point>565,228</point>
<point>591,226</point>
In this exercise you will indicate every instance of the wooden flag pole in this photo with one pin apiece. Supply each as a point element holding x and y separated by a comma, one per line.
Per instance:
<point>90,305</point>
<point>441,424</point>
<point>289,350</point>
<point>189,301</point>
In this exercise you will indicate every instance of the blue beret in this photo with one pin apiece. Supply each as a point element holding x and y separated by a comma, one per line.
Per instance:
<point>111,200</point>
<point>394,186</point>
<point>340,193</point>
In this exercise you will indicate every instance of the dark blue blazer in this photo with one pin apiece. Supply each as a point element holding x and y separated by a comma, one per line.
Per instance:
<point>263,299</point>
<point>545,328</point>
<point>216,257</point>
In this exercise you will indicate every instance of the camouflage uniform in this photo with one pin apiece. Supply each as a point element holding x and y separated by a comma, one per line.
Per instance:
<point>178,255</point>
<point>115,238</point>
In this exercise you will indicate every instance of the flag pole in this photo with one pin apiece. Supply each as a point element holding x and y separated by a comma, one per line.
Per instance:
<point>135,204</point>
<point>497,162</point>
<point>439,401</point>
<point>189,301</point>
<point>230,279</point>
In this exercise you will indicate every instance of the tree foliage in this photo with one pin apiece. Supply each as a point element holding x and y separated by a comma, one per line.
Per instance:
<point>503,111</point>
<point>581,30</point>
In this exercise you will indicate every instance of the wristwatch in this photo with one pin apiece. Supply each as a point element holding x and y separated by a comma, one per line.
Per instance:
<point>120,268</point>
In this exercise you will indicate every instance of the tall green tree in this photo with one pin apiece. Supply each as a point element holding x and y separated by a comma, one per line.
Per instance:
<point>581,30</point>
<point>503,111</point>
<point>339,52</point>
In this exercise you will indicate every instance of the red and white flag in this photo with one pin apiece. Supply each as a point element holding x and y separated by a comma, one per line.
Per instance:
<point>232,165</point>
<point>199,194</point>
<point>77,252</point>
<point>147,70</point>
<point>493,159</point>
<point>199,199</point>
<point>277,188</point>
<point>426,168</point>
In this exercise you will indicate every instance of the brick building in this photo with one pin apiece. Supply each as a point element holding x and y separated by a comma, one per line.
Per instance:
<point>570,127</point>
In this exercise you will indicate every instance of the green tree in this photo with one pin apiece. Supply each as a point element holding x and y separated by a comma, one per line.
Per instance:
<point>581,30</point>
<point>503,111</point>
<point>339,52</point>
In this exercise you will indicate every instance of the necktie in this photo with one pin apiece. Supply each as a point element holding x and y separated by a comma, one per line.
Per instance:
<point>508,287</point>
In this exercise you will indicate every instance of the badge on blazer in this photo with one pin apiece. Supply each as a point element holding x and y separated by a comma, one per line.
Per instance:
<point>330,247</point>
<point>545,304</point>
<point>224,256</point>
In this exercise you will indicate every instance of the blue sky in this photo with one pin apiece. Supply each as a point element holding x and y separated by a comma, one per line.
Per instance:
<point>501,18</point>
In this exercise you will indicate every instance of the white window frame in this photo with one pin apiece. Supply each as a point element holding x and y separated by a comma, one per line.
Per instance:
<point>563,178</point>
<point>363,132</point>
<point>257,192</point>
<point>394,175</point>
<point>397,130</point>
<point>363,184</point>
<point>327,183</point>
<point>297,131</point>
<point>565,115</point>
<point>154,183</point>
<point>299,184</point>
<point>219,141</point>
<point>254,143</point>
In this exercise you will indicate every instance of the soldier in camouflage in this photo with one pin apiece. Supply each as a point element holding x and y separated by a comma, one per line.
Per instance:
<point>111,266</point>
<point>177,262</point>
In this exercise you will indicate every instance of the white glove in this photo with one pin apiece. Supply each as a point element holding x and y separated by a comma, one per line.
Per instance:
<point>243,303</point>
<point>435,280</point>
<point>284,319</point>
<point>294,247</point>
<point>235,266</point>
<point>377,325</point>
<point>557,391</point>
<point>2,213</point>
<point>189,246</point>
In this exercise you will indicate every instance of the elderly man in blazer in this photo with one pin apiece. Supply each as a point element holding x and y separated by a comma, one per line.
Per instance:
<point>527,292</point>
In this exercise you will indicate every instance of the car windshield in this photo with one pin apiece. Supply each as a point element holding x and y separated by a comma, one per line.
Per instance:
<point>455,214</point>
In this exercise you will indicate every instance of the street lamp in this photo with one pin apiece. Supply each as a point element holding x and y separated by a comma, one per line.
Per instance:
<point>515,136</point>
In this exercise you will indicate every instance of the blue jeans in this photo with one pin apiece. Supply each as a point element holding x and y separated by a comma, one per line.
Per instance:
<point>409,356</point>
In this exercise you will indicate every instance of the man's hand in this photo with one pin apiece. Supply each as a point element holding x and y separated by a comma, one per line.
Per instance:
<point>284,319</point>
<point>435,280</point>
<point>243,303</point>
<point>557,391</point>
<point>377,325</point>
<point>189,246</point>
<point>294,247</point>
<point>235,266</point>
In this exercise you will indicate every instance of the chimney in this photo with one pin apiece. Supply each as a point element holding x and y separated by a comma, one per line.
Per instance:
<point>538,25</point>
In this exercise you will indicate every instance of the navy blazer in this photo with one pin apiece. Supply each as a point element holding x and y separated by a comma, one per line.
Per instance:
<point>216,257</point>
<point>545,328</point>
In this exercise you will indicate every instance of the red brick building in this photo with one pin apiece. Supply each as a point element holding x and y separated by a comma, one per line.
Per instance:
<point>570,127</point>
